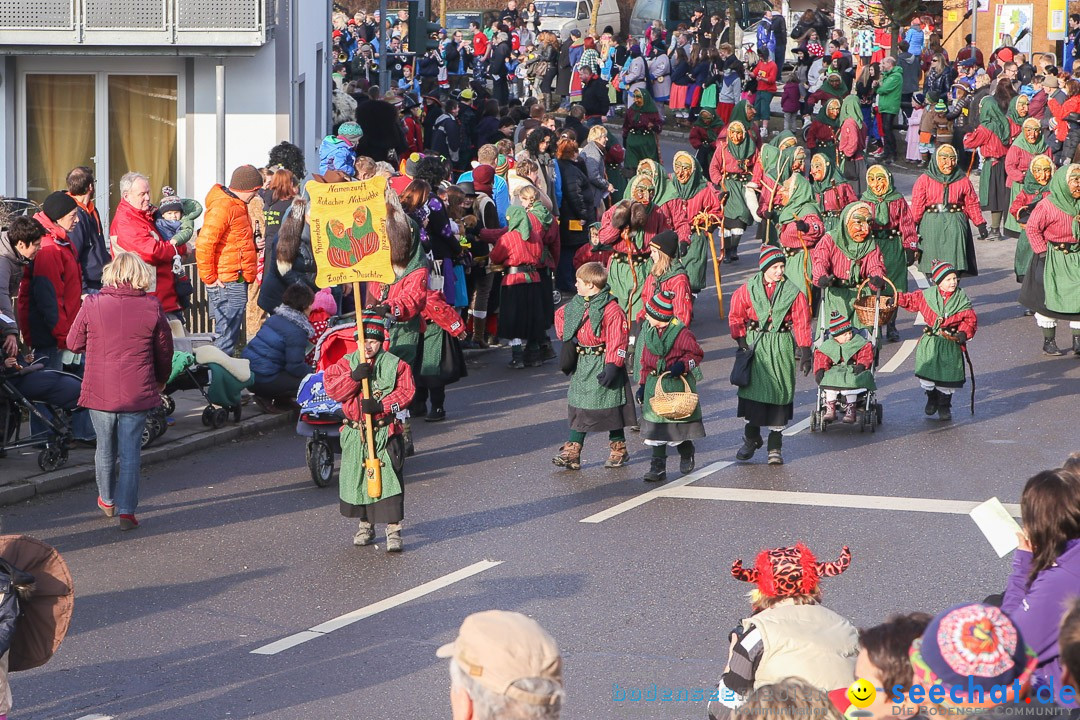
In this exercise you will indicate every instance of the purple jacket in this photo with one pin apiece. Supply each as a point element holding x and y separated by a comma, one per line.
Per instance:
<point>1037,611</point>
<point>128,348</point>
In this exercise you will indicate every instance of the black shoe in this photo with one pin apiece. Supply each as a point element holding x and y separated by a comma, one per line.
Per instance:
<point>517,358</point>
<point>1029,313</point>
<point>1050,347</point>
<point>749,447</point>
<point>657,470</point>
<point>547,352</point>
<point>931,402</point>
<point>892,334</point>
<point>687,463</point>
<point>945,407</point>
<point>436,415</point>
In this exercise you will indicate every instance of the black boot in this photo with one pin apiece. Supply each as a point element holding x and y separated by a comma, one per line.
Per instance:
<point>687,463</point>
<point>517,357</point>
<point>547,352</point>
<point>944,409</point>
<point>891,333</point>
<point>751,442</point>
<point>776,441</point>
<point>533,356</point>
<point>1050,347</point>
<point>657,470</point>
<point>931,401</point>
<point>1076,343</point>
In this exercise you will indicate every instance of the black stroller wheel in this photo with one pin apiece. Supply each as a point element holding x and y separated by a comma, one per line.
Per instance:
<point>815,421</point>
<point>320,460</point>
<point>220,417</point>
<point>236,413</point>
<point>52,458</point>
<point>168,404</point>
<point>207,415</point>
<point>879,410</point>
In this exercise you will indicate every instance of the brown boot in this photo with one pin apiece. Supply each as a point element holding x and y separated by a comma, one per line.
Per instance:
<point>569,456</point>
<point>479,336</point>
<point>619,455</point>
<point>849,413</point>
<point>830,411</point>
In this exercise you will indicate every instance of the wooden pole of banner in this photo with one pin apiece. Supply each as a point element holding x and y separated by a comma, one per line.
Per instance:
<point>372,464</point>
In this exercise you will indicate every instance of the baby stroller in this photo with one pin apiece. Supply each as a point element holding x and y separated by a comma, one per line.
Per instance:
<point>57,437</point>
<point>218,378</point>
<point>320,416</point>
<point>873,311</point>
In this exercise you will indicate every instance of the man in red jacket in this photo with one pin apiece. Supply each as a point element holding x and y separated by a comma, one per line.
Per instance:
<point>50,293</point>
<point>133,230</point>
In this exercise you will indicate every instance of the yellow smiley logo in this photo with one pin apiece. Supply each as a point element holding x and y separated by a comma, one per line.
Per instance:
<point>861,693</point>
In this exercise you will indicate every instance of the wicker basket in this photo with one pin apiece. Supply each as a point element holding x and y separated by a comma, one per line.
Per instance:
<point>673,405</point>
<point>865,306</point>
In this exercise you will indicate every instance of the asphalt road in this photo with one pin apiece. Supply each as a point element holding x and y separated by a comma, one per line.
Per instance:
<point>238,549</point>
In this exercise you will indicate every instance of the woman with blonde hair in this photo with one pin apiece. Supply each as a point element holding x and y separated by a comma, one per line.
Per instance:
<point>128,347</point>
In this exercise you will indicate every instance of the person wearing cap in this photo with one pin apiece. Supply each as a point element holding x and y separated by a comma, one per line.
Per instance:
<point>50,292</point>
<point>1050,285</point>
<point>842,367</point>
<point>969,651</point>
<point>593,328</point>
<point>770,312</point>
<point>337,151</point>
<point>950,323</point>
<point>226,255</point>
<point>503,665</point>
<point>669,359</point>
<point>668,275</point>
<point>943,205</point>
<point>789,633</point>
<point>392,389</point>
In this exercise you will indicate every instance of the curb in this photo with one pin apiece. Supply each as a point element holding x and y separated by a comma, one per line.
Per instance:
<point>79,474</point>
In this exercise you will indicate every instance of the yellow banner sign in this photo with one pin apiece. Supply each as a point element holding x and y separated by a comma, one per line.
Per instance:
<point>348,232</point>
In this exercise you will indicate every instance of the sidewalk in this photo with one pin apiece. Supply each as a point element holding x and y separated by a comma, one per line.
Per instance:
<point>21,478</point>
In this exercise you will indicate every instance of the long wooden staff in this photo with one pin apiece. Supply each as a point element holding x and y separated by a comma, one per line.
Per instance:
<point>372,464</point>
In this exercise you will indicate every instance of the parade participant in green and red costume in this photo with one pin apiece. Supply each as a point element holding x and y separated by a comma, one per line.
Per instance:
<point>599,397</point>
<point>731,169</point>
<point>950,323</point>
<point>1033,187</point>
<point>893,230</point>
<point>392,390</point>
<point>668,274</point>
<point>842,367</point>
<point>668,346</point>
<point>770,313</point>
<point>832,191</point>
<point>629,234</point>
<point>943,200</point>
<point>801,227</point>
<point>842,262</point>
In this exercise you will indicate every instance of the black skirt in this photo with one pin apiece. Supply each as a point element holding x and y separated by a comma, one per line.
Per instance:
<point>451,368</point>
<point>548,299</point>
<point>997,196</point>
<point>521,311</point>
<point>604,420</point>
<point>672,432</point>
<point>1033,293</point>
<point>762,414</point>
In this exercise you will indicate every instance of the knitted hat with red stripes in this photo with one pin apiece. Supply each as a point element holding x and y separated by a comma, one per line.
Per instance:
<point>374,326</point>
<point>769,254</point>
<point>660,307</point>
<point>838,324</point>
<point>939,270</point>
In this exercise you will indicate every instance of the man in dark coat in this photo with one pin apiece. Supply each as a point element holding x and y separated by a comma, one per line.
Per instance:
<point>562,86</point>
<point>780,35</point>
<point>384,135</point>
<point>87,237</point>
<point>500,53</point>
<point>594,97</point>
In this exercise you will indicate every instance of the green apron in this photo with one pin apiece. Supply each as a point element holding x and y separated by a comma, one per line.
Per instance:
<point>795,271</point>
<point>640,146</point>
<point>735,207</point>
<point>892,252</point>
<point>623,287</point>
<point>660,345</point>
<point>939,359</point>
<point>585,392</point>
<point>1022,256</point>
<point>1012,223</point>
<point>944,236</point>
<point>772,379</point>
<point>984,180</point>
<point>1062,278</point>
<point>696,260</point>
<point>842,375</point>
<point>352,485</point>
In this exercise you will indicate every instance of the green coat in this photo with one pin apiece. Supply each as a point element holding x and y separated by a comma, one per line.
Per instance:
<point>937,358</point>
<point>772,379</point>
<point>585,392</point>
<point>841,375</point>
<point>888,94</point>
<point>352,485</point>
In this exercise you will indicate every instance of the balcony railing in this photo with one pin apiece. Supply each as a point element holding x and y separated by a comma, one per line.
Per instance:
<point>145,23</point>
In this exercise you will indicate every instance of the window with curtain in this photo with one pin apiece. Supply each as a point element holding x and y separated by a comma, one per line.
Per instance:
<point>142,131</point>
<point>60,123</point>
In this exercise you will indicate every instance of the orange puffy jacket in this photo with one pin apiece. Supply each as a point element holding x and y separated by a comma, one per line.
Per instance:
<point>225,248</point>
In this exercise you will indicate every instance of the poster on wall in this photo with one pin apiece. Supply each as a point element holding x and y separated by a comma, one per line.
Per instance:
<point>1010,20</point>
<point>1055,20</point>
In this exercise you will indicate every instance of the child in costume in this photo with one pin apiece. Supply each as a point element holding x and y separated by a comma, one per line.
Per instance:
<point>599,398</point>
<point>392,390</point>
<point>667,346</point>
<point>841,367</point>
<point>338,152</point>
<point>669,274</point>
<point>950,323</point>
<point>789,633</point>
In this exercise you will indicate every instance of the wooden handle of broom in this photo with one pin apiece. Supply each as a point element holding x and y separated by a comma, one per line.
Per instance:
<point>372,464</point>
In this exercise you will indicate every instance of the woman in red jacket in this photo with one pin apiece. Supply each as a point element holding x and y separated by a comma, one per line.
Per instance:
<point>128,346</point>
<point>521,312</point>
